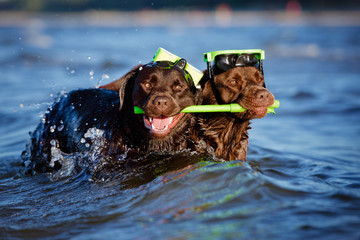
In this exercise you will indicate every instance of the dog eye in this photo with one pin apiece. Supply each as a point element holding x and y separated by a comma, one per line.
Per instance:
<point>177,87</point>
<point>232,82</point>
<point>147,85</point>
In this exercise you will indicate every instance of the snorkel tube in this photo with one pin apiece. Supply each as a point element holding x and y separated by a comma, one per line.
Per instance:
<point>231,108</point>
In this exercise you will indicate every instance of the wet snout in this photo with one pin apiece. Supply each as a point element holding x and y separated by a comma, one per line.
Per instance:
<point>161,103</point>
<point>263,98</point>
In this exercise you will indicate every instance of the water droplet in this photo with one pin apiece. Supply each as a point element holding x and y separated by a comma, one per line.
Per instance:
<point>87,145</point>
<point>72,71</point>
<point>21,105</point>
<point>82,140</point>
<point>89,57</point>
<point>53,142</point>
<point>52,128</point>
<point>105,76</point>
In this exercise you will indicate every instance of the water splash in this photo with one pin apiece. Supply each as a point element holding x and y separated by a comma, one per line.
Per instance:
<point>103,77</point>
<point>74,163</point>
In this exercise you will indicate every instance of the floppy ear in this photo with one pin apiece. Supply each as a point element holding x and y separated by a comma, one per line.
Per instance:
<point>204,79</point>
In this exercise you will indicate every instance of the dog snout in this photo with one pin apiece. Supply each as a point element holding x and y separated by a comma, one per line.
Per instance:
<point>161,102</point>
<point>264,98</point>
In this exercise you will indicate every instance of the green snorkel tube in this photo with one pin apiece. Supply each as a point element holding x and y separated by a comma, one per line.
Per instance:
<point>196,75</point>
<point>231,108</point>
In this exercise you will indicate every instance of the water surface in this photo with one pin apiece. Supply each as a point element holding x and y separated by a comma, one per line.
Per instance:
<point>302,177</point>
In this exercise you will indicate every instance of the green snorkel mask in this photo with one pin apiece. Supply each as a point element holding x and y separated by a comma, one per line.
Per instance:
<point>227,59</point>
<point>167,60</point>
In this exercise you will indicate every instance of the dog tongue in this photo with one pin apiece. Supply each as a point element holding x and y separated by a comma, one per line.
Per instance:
<point>161,122</point>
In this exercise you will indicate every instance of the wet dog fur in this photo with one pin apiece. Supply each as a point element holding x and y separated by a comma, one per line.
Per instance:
<point>161,93</point>
<point>227,133</point>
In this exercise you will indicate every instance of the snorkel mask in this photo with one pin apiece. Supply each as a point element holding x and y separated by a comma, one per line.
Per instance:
<point>227,59</point>
<point>167,60</point>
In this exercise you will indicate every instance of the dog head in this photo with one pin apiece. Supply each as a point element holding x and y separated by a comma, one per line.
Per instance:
<point>161,92</point>
<point>242,85</point>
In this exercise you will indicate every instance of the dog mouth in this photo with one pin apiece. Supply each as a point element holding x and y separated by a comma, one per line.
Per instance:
<point>258,112</point>
<point>161,126</point>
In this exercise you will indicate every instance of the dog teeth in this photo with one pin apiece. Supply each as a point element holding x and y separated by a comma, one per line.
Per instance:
<point>153,127</point>
<point>149,123</point>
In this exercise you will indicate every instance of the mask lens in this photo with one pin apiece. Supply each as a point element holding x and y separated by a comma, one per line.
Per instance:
<point>225,62</point>
<point>246,60</point>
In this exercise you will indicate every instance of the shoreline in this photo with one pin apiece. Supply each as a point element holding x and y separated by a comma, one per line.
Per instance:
<point>162,18</point>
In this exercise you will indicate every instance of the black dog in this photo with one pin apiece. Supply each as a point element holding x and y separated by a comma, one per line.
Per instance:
<point>161,89</point>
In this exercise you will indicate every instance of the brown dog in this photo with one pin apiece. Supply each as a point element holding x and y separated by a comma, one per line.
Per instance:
<point>227,133</point>
<point>161,93</point>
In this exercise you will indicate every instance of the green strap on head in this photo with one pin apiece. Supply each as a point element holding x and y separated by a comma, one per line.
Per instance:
<point>163,55</point>
<point>232,108</point>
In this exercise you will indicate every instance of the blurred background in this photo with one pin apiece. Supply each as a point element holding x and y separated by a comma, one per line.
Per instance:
<point>302,175</point>
<point>135,5</point>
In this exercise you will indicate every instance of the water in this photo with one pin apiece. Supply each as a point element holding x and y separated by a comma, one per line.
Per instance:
<point>302,177</point>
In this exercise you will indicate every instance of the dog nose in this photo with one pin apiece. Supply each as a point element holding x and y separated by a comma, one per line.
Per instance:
<point>264,98</point>
<point>161,102</point>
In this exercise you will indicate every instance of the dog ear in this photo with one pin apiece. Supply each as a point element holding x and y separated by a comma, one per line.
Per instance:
<point>204,79</point>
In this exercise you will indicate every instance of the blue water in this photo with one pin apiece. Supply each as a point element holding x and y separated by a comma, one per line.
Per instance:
<point>302,177</point>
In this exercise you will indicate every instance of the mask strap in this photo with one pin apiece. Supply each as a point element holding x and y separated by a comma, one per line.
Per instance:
<point>212,81</point>
<point>262,70</point>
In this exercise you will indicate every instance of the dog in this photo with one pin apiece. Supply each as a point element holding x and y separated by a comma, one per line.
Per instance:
<point>227,133</point>
<point>160,91</point>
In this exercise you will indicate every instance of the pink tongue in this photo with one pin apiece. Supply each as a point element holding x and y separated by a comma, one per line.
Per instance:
<point>161,122</point>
